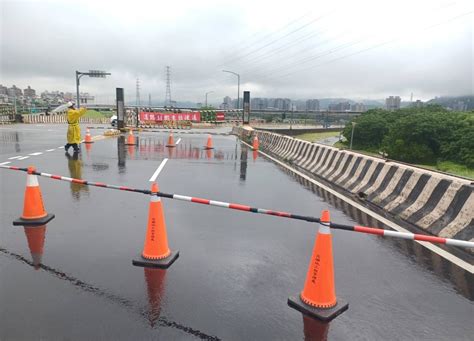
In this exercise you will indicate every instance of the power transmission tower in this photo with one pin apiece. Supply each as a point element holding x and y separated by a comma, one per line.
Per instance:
<point>168,86</point>
<point>137,95</point>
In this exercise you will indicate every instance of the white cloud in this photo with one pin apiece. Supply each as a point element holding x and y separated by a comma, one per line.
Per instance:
<point>295,49</point>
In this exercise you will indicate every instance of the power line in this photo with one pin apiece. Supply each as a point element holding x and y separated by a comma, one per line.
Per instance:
<point>373,47</point>
<point>311,58</point>
<point>276,40</point>
<point>268,35</point>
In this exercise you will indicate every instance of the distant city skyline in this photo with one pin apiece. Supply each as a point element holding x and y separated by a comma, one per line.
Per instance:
<point>30,97</point>
<point>301,49</point>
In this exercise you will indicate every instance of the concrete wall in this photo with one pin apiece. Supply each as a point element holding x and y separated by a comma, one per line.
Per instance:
<point>61,119</point>
<point>440,204</point>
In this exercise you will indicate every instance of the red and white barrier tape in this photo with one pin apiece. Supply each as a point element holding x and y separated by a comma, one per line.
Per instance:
<point>245,208</point>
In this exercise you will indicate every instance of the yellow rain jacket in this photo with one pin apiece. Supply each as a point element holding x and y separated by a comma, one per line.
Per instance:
<point>74,131</point>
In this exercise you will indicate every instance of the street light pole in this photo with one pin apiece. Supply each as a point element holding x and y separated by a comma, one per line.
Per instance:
<point>207,93</point>
<point>91,73</point>
<point>78,76</point>
<point>352,134</point>
<point>238,88</point>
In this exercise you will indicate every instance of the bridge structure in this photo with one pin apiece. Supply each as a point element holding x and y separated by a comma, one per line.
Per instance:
<point>325,118</point>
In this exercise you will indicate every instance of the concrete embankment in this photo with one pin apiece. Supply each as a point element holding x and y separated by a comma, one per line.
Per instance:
<point>440,204</point>
<point>61,118</point>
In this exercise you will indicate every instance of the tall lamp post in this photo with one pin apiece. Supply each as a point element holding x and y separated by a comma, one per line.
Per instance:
<point>91,73</point>
<point>238,88</point>
<point>207,93</point>
<point>352,134</point>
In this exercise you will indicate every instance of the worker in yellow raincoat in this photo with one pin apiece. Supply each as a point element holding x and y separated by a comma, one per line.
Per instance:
<point>74,130</point>
<point>75,171</point>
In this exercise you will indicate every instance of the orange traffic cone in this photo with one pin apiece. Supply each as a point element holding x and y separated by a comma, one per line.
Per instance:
<point>35,237</point>
<point>318,298</point>
<point>131,151</point>
<point>130,138</point>
<point>255,144</point>
<point>171,141</point>
<point>33,208</point>
<point>88,138</point>
<point>156,253</point>
<point>209,142</point>
<point>88,148</point>
<point>255,155</point>
<point>155,284</point>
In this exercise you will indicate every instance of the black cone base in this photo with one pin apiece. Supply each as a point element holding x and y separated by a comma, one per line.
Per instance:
<point>33,222</point>
<point>327,314</point>
<point>164,263</point>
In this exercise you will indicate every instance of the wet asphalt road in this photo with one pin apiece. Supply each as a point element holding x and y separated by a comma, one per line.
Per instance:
<point>235,270</point>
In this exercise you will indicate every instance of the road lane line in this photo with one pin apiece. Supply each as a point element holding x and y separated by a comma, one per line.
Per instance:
<point>5,163</point>
<point>35,154</point>
<point>23,158</point>
<point>14,157</point>
<point>441,252</point>
<point>50,150</point>
<point>179,140</point>
<point>158,170</point>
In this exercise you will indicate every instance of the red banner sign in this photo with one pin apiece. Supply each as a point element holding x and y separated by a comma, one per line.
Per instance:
<point>160,117</point>
<point>184,116</point>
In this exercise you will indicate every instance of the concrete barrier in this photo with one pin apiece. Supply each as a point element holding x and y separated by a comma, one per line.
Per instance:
<point>61,119</point>
<point>437,203</point>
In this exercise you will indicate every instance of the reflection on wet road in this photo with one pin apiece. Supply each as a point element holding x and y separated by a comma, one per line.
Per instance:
<point>236,270</point>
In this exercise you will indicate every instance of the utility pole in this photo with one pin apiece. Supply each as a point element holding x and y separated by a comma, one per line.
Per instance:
<point>168,86</point>
<point>14,101</point>
<point>137,93</point>
<point>352,134</point>
<point>149,100</point>
<point>207,93</point>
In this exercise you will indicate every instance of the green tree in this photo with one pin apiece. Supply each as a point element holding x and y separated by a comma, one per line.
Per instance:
<point>370,129</point>
<point>418,137</point>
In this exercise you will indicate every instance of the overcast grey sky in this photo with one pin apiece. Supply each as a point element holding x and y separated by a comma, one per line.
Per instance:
<point>297,49</point>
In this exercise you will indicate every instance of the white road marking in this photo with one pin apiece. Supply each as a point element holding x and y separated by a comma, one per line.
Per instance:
<point>449,256</point>
<point>5,163</point>
<point>23,158</point>
<point>60,147</point>
<point>158,170</point>
<point>14,157</point>
<point>179,140</point>
<point>35,154</point>
<point>49,150</point>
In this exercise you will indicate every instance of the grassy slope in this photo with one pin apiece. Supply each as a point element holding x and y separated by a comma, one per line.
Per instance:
<point>444,166</point>
<point>314,137</point>
<point>98,114</point>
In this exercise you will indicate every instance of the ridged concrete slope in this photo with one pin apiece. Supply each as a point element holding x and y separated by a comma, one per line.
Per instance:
<point>440,204</point>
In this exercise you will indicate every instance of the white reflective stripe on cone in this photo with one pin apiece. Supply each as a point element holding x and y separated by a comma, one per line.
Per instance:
<point>155,198</point>
<point>32,180</point>
<point>324,228</point>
